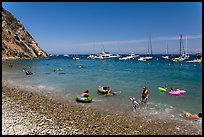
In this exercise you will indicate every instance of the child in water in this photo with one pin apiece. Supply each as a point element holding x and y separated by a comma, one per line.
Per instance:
<point>177,89</point>
<point>134,103</point>
<point>172,90</point>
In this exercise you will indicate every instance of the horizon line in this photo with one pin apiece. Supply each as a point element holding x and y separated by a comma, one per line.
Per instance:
<point>120,42</point>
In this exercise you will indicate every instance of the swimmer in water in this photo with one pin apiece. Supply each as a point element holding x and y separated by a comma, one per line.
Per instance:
<point>193,116</point>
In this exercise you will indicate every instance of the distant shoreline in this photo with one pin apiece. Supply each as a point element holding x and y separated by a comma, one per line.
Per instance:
<point>47,115</point>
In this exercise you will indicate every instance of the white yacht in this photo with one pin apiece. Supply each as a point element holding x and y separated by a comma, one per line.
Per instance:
<point>198,59</point>
<point>195,61</point>
<point>131,55</point>
<point>92,56</point>
<point>142,59</point>
<point>66,55</point>
<point>106,55</point>
<point>75,58</point>
<point>147,57</point>
<point>165,57</point>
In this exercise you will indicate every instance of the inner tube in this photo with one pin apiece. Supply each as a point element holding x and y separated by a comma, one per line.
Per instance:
<point>174,93</point>
<point>161,89</point>
<point>84,99</point>
<point>182,91</point>
<point>103,90</point>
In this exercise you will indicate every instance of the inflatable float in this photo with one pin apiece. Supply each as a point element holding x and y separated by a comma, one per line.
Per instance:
<point>174,93</point>
<point>182,91</point>
<point>104,90</point>
<point>84,99</point>
<point>177,92</point>
<point>161,89</point>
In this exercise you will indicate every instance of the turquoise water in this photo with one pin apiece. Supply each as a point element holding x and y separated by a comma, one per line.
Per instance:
<point>126,77</point>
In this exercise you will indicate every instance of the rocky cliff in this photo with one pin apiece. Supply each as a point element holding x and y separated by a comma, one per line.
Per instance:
<point>17,43</point>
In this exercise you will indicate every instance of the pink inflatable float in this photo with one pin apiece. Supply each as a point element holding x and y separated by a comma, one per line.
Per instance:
<point>174,93</point>
<point>182,91</point>
<point>177,92</point>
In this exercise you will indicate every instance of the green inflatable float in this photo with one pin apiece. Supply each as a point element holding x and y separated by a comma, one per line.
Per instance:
<point>161,89</point>
<point>84,99</point>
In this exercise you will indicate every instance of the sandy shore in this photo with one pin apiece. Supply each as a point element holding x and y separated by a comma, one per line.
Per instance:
<point>26,112</point>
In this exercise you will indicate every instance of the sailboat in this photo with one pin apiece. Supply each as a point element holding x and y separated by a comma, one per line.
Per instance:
<point>186,55</point>
<point>166,56</point>
<point>92,56</point>
<point>183,56</point>
<point>148,57</point>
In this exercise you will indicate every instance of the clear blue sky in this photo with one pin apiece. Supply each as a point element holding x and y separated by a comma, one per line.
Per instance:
<point>121,27</point>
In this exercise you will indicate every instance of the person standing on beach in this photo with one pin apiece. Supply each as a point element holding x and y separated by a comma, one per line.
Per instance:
<point>145,95</point>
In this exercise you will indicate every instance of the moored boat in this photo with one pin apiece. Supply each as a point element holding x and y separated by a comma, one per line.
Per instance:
<point>198,59</point>
<point>142,59</point>
<point>106,55</point>
<point>75,58</point>
<point>92,56</point>
<point>131,55</point>
<point>195,61</point>
<point>183,56</point>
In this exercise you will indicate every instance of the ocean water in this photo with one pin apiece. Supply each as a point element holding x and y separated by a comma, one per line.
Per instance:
<point>127,78</point>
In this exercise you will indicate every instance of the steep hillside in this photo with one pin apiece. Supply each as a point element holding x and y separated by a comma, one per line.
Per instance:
<point>17,43</point>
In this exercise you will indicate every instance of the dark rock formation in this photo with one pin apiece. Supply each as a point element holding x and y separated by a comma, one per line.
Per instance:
<point>17,43</point>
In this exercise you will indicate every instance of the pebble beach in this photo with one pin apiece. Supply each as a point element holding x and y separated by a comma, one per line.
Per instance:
<point>31,113</point>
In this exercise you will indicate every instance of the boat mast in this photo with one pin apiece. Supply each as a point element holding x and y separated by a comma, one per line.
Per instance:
<point>94,46</point>
<point>150,45</point>
<point>103,47</point>
<point>186,44</point>
<point>181,45</point>
<point>183,48</point>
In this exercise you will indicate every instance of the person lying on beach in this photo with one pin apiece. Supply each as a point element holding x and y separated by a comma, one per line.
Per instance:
<point>134,103</point>
<point>145,94</point>
<point>85,94</point>
<point>193,116</point>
